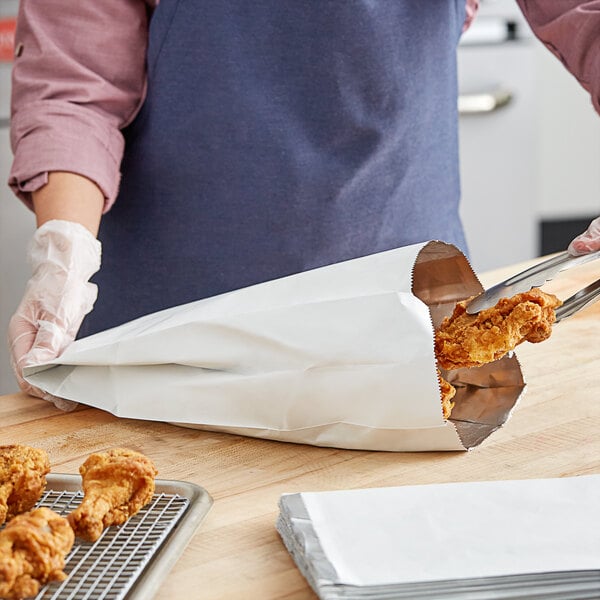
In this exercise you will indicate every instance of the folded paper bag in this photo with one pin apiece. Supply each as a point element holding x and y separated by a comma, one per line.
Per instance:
<point>338,356</point>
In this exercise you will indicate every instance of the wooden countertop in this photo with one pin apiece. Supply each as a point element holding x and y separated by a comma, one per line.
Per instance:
<point>236,553</point>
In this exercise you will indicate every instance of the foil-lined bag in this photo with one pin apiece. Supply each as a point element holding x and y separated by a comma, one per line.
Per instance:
<point>338,356</point>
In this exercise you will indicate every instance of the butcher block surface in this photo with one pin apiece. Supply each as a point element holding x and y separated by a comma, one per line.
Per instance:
<point>554,431</point>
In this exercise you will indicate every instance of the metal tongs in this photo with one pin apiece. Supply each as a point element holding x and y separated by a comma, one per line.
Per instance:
<point>536,276</point>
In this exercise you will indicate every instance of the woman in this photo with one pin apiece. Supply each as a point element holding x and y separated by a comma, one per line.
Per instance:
<point>251,140</point>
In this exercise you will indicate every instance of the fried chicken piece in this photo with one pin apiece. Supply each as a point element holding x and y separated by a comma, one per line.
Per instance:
<point>33,548</point>
<point>116,485</point>
<point>465,340</point>
<point>22,479</point>
<point>448,392</point>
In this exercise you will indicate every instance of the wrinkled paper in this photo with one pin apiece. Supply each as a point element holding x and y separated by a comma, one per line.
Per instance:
<point>337,356</point>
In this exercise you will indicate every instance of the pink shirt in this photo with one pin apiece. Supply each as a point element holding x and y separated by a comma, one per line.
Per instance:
<point>75,87</point>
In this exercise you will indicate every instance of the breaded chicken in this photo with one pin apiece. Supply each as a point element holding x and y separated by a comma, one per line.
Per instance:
<point>448,392</point>
<point>23,473</point>
<point>116,485</point>
<point>465,340</point>
<point>33,548</point>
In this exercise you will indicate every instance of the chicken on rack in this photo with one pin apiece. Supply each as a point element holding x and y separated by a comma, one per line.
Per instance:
<point>33,548</point>
<point>23,473</point>
<point>116,485</point>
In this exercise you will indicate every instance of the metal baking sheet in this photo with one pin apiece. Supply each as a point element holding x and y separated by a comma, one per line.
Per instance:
<point>128,561</point>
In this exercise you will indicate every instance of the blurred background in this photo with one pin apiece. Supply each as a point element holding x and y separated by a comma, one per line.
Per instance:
<point>530,153</point>
<point>530,143</point>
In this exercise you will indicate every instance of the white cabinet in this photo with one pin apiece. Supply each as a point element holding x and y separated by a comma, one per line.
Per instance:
<point>568,137</point>
<point>535,160</point>
<point>498,154</point>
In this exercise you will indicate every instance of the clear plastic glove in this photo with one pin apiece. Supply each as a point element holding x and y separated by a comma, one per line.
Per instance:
<point>588,241</point>
<point>63,255</point>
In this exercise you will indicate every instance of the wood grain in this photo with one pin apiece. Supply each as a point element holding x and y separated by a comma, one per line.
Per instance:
<point>236,553</point>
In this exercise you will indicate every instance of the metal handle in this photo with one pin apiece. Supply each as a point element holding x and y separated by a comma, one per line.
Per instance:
<point>535,276</point>
<point>4,122</point>
<point>588,295</point>
<point>549,268</point>
<point>483,102</point>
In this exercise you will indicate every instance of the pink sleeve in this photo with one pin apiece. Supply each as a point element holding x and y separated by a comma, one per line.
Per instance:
<point>471,8</point>
<point>78,78</point>
<point>571,31</point>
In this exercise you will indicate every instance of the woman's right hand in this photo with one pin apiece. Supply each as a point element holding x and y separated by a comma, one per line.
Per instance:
<point>588,241</point>
<point>63,255</point>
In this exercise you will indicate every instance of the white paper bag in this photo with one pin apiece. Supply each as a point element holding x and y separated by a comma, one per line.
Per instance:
<point>338,356</point>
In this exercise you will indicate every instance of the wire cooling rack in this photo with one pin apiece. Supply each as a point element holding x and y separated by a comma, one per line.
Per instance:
<point>127,561</point>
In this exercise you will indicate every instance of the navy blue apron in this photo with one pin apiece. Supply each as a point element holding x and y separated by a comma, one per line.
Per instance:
<point>279,136</point>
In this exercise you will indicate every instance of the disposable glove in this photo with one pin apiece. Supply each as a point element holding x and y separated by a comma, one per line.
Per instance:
<point>588,241</point>
<point>63,256</point>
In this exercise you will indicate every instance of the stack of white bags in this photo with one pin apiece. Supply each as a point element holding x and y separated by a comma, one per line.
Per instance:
<point>468,541</point>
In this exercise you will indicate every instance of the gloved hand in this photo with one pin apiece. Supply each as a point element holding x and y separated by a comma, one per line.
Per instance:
<point>588,241</point>
<point>63,255</point>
